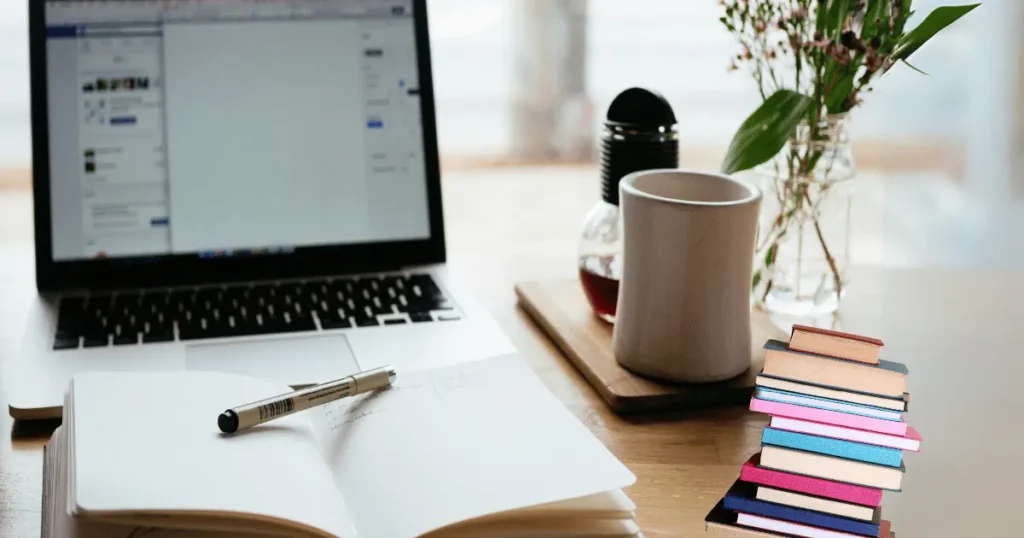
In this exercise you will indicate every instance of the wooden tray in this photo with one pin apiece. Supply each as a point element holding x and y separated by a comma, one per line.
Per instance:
<point>561,310</point>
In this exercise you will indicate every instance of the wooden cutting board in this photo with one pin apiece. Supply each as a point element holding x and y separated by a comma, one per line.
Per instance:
<point>561,310</point>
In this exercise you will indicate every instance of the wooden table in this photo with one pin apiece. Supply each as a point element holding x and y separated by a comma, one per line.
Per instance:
<point>958,331</point>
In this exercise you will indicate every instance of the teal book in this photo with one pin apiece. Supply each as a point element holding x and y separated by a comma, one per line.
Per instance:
<point>879,455</point>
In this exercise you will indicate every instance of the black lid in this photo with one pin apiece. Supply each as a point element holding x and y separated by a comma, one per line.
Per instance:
<point>640,106</point>
<point>228,421</point>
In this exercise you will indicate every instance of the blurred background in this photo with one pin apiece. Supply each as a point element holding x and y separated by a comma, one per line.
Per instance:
<point>525,83</point>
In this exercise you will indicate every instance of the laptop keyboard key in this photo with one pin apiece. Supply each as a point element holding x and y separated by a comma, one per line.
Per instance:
<point>158,337</point>
<point>65,342</point>
<point>424,286</point>
<point>221,311</point>
<point>332,324</point>
<point>126,340</point>
<point>95,341</point>
<point>367,321</point>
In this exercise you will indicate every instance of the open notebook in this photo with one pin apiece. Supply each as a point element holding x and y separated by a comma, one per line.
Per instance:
<point>474,450</point>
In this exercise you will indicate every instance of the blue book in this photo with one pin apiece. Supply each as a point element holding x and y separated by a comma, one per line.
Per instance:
<point>741,498</point>
<point>879,455</point>
<point>818,402</point>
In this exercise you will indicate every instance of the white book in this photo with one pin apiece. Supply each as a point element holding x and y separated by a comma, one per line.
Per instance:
<point>478,449</point>
<point>831,405</point>
<point>848,434</point>
<point>894,404</point>
<point>817,504</point>
<point>790,528</point>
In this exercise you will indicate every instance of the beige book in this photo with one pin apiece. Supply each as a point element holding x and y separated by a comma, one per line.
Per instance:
<point>885,379</point>
<point>829,468</point>
<point>832,394</point>
<point>475,450</point>
<point>836,344</point>
<point>818,504</point>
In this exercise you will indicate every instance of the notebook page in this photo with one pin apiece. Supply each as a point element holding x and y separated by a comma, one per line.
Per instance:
<point>148,442</point>
<point>449,445</point>
<point>609,505</point>
<point>58,523</point>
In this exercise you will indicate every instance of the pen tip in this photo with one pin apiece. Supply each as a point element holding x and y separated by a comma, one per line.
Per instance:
<point>392,374</point>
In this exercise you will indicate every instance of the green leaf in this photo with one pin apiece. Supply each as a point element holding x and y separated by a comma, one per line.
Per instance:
<point>840,80</point>
<point>876,12</point>
<point>906,10</point>
<point>835,98</point>
<point>821,16</point>
<point>769,256</point>
<point>935,22</point>
<point>910,65</point>
<point>838,11</point>
<point>766,131</point>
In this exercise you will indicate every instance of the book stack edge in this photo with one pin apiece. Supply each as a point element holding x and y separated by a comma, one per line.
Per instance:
<point>835,442</point>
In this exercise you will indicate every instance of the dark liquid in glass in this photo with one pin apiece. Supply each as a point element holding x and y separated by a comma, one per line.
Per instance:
<point>602,291</point>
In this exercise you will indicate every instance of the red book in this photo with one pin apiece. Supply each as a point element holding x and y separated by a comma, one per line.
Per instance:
<point>851,347</point>
<point>812,486</point>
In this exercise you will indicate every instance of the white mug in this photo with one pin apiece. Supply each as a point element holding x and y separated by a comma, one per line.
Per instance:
<point>683,311</point>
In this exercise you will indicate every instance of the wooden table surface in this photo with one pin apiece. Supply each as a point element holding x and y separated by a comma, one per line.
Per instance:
<point>958,332</point>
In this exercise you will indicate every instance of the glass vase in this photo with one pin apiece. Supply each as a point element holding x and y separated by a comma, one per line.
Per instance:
<point>803,245</point>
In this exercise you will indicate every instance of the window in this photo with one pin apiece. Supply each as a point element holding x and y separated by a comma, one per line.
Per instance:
<point>15,137</point>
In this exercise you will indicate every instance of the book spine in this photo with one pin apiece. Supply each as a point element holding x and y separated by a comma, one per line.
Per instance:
<point>828,417</point>
<point>849,434</point>
<point>850,450</point>
<point>812,486</point>
<point>797,515</point>
<point>900,399</point>
<point>818,402</point>
<point>898,405</point>
<point>787,528</point>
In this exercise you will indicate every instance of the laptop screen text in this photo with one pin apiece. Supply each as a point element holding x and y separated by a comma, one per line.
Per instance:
<point>223,126</point>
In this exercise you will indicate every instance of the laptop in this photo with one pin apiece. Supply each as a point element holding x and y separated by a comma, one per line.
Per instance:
<point>247,186</point>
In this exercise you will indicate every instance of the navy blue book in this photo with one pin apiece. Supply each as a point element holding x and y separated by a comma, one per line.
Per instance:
<point>741,498</point>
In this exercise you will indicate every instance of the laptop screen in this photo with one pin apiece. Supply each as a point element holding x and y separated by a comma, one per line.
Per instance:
<point>227,127</point>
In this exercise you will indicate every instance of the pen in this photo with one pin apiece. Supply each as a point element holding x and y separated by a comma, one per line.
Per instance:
<point>249,415</point>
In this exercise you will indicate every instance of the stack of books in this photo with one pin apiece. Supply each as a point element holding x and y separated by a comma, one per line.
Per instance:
<point>835,441</point>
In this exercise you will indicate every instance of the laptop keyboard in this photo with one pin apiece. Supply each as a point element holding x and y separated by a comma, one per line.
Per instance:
<point>155,316</point>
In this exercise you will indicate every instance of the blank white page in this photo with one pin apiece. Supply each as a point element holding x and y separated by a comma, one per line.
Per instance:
<point>453,444</point>
<point>148,442</point>
<point>608,505</point>
<point>58,523</point>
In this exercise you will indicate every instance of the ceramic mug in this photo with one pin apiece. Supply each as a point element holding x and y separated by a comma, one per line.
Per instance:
<point>684,296</point>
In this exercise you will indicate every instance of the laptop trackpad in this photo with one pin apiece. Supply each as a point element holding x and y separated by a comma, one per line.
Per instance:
<point>290,361</point>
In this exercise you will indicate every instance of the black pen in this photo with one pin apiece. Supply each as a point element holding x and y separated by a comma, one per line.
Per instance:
<point>247,416</point>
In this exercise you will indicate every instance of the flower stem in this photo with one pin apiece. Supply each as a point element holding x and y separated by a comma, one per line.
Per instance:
<point>828,257</point>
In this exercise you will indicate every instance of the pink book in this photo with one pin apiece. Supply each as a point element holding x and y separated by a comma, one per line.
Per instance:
<point>824,416</point>
<point>911,441</point>
<point>809,485</point>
